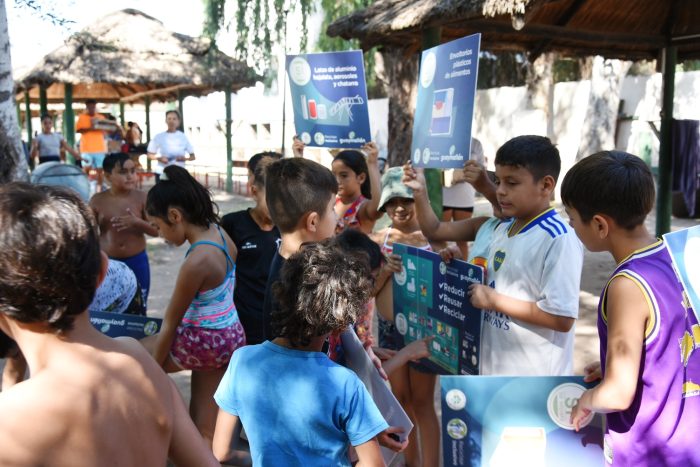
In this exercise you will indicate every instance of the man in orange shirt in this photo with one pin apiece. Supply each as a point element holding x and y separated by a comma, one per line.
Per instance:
<point>93,147</point>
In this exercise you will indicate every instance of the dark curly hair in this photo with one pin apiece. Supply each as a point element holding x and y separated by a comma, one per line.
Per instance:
<point>321,289</point>
<point>49,255</point>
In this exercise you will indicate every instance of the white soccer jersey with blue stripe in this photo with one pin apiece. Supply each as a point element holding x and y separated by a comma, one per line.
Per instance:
<point>539,263</point>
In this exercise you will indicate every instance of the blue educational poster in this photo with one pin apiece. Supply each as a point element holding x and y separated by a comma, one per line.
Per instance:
<point>329,98</point>
<point>117,324</point>
<point>430,299</point>
<point>684,247</point>
<point>442,125</point>
<point>499,421</point>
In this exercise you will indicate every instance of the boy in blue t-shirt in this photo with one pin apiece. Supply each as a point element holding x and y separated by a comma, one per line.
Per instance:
<point>297,406</point>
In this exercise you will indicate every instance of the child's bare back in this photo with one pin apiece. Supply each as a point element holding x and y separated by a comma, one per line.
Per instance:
<point>97,402</point>
<point>122,220</point>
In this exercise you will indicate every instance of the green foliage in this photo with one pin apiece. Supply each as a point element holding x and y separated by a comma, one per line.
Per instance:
<point>213,18</point>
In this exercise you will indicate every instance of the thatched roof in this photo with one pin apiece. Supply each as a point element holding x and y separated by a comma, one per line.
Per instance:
<point>125,54</point>
<point>616,29</point>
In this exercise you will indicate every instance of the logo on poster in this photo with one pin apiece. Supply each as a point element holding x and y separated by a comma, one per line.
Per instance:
<point>456,428</point>
<point>150,328</point>
<point>401,324</point>
<point>455,399</point>
<point>561,402</point>
<point>319,138</point>
<point>443,268</point>
<point>426,155</point>
<point>427,69</point>
<point>299,71</point>
<point>305,137</point>
<point>416,156</point>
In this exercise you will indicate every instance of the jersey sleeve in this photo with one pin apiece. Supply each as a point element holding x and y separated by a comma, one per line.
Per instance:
<point>363,419</point>
<point>561,276</point>
<point>226,396</point>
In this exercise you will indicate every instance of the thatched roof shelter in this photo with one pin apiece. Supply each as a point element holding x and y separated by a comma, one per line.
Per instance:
<point>615,29</point>
<point>128,55</point>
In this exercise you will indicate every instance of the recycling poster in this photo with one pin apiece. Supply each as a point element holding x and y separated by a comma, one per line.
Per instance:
<point>442,124</point>
<point>329,98</point>
<point>118,324</point>
<point>430,299</point>
<point>684,247</point>
<point>500,421</point>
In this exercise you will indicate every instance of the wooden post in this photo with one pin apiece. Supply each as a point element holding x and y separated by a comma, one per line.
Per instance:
<point>122,120</point>
<point>664,196</point>
<point>28,112</point>
<point>43,101</point>
<point>229,144</point>
<point>69,118</point>
<point>181,108</point>
<point>433,177</point>
<point>147,103</point>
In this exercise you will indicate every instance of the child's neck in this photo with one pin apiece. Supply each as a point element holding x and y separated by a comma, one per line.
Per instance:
<point>114,191</point>
<point>407,227</point>
<point>316,344</point>
<point>195,233</point>
<point>292,241</point>
<point>625,242</point>
<point>261,217</point>
<point>350,198</point>
<point>520,222</point>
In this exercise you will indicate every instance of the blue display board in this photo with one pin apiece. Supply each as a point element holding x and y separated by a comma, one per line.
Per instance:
<point>329,98</point>
<point>117,324</point>
<point>442,125</point>
<point>430,299</point>
<point>499,421</point>
<point>684,247</point>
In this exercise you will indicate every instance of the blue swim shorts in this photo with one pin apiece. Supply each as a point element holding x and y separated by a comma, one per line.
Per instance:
<point>93,159</point>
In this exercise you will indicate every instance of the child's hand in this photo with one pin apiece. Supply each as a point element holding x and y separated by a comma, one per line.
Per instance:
<point>418,349</point>
<point>372,152</point>
<point>413,178</point>
<point>298,147</point>
<point>393,263</point>
<point>475,174</point>
<point>592,372</point>
<point>181,158</point>
<point>581,410</point>
<point>163,159</point>
<point>126,221</point>
<point>481,296</point>
<point>450,252</point>
<point>383,354</point>
<point>386,439</point>
<point>377,362</point>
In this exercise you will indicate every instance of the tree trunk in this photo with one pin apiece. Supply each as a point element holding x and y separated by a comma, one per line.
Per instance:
<point>400,70</point>
<point>598,131</point>
<point>13,164</point>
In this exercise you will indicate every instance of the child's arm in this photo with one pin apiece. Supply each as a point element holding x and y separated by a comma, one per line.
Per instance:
<point>486,298</point>
<point>189,281</point>
<point>187,447</point>
<point>131,220</point>
<point>369,210</point>
<point>70,149</point>
<point>369,454</point>
<point>475,174</point>
<point>413,351</point>
<point>430,225</point>
<point>298,147</point>
<point>627,312</point>
<point>227,435</point>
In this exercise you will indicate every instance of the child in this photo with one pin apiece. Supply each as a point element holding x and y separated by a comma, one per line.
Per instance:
<point>49,146</point>
<point>412,384</point>
<point>91,400</point>
<point>121,215</point>
<point>309,408</point>
<point>533,265</point>
<point>201,329</point>
<point>256,239</point>
<point>652,420</point>
<point>358,188</point>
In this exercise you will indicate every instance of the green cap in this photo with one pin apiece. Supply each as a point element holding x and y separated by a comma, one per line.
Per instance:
<point>393,187</point>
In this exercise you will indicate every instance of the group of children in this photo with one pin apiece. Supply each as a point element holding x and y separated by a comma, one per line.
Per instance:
<point>264,294</point>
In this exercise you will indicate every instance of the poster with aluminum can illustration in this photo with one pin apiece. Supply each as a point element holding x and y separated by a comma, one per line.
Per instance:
<point>442,125</point>
<point>499,421</point>
<point>329,97</point>
<point>430,300</point>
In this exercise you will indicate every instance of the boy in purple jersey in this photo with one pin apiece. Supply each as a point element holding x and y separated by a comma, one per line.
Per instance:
<point>651,419</point>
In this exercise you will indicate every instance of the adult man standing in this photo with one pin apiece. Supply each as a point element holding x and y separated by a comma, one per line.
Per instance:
<point>93,147</point>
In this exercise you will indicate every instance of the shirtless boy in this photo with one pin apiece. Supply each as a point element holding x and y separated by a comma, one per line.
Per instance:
<point>65,414</point>
<point>121,215</point>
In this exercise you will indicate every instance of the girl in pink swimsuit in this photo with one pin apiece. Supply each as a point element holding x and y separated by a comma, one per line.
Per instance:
<point>201,329</point>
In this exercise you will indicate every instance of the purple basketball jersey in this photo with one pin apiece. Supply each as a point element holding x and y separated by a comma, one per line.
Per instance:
<point>662,425</point>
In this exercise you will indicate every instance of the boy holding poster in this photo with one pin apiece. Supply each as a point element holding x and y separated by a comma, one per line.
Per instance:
<point>531,302</point>
<point>649,388</point>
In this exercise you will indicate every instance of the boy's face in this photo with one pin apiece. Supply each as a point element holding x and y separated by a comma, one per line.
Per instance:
<point>400,210</point>
<point>519,195</point>
<point>123,177</point>
<point>588,233</point>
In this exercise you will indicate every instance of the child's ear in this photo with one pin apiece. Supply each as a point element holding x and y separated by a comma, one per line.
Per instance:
<point>361,178</point>
<point>601,225</point>
<point>174,216</point>
<point>312,220</point>
<point>548,183</point>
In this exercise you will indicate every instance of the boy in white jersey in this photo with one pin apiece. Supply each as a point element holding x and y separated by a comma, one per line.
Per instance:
<point>533,266</point>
